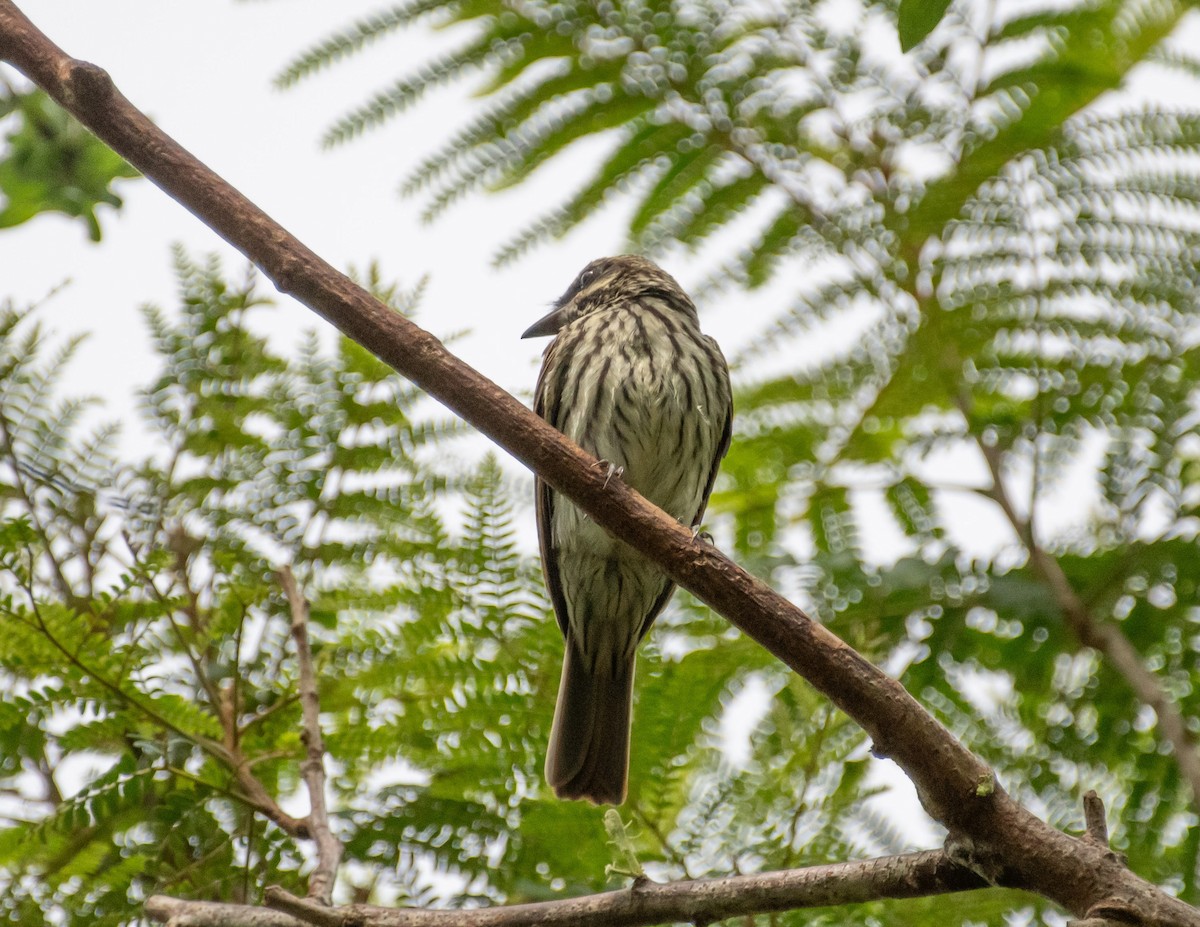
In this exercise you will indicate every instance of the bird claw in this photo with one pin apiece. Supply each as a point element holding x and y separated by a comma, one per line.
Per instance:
<point>701,535</point>
<point>613,470</point>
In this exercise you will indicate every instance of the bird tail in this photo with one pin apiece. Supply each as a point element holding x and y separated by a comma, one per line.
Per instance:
<point>588,756</point>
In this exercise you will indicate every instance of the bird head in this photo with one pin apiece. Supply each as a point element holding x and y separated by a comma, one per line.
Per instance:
<point>605,284</point>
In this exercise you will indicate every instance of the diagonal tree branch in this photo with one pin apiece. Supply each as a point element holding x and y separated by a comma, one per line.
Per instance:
<point>703,901</point>
<point>996,835</point>
<point>329,848</point>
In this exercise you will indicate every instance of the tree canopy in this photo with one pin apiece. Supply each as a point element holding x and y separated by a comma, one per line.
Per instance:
<point>1015,256</point>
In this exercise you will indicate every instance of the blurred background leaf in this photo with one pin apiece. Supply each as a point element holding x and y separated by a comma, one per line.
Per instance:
<point>53,164</point>
<point>915,19</point>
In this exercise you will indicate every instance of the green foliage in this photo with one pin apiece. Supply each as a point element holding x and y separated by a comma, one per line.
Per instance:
<point>1012,269</point>
<point>917,18</point>
<point>145,644</point>
<point>53,164</point>
<point>712,106</point>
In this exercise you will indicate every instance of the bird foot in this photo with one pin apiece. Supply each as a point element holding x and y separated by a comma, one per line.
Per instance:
<point>612,470</point>
<point>702,535</point>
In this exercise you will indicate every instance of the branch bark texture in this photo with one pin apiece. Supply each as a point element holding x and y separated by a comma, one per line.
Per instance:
<point>702,901</point>
<point>1006,842</point>
<point>175,912</point>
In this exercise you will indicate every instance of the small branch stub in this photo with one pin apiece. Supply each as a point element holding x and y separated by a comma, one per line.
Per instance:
<point>1094,818</point>
<point>87,84</point>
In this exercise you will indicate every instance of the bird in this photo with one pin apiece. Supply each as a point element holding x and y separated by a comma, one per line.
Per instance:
<point>631,379</point>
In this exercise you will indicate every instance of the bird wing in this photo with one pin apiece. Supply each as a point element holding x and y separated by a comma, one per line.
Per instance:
<point>722,450</point>
<point>545,517</point>
<point>544,501</point>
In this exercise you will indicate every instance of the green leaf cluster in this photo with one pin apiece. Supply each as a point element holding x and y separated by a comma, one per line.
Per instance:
<point>51,163</point>
<point>146,651</point>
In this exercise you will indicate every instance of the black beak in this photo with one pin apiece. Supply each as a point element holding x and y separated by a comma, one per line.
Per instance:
<point>548,325</point>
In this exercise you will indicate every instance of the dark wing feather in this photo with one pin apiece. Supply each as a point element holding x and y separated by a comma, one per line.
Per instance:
<point>544,501</point>
<point>545,515</point>
<point>722,450</point>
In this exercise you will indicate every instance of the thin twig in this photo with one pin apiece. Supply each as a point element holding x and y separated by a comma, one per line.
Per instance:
<point>254,792</point>
<point>58,574</point>
<point>72,657</point>
<point>53,794</point>
<point>169,611</point>
<point>669,851</point>
<point>329,848</point>
<point>283,702</point>
<point>205,783</point>
<point>238,678</point>
<point>702,901</point>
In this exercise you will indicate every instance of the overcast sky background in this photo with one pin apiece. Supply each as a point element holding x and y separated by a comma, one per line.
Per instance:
<point>203,70</point>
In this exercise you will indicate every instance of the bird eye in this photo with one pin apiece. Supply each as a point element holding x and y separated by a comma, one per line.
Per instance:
<point>586,277</point>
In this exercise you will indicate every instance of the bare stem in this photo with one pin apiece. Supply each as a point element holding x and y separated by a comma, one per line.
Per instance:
<point>1102,636</point>
<point>329,848</point>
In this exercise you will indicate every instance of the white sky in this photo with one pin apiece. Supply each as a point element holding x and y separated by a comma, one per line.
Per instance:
<point>202,69</point>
